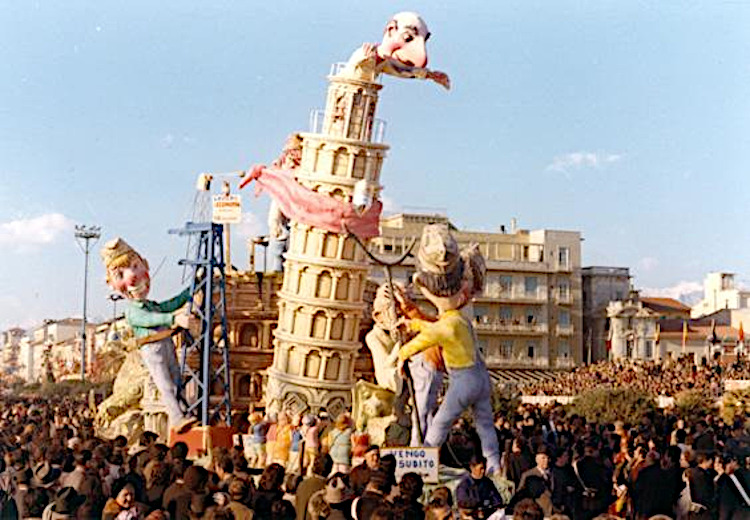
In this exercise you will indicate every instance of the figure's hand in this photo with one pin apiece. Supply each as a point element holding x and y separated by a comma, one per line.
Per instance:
<point>186,321</point>
<point>368,49</point>
<point>441,78</point>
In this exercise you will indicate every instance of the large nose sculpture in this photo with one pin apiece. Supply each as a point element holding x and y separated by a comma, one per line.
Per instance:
<point>413,53</point>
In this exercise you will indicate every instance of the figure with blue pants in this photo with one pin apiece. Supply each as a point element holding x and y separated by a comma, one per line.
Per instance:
<point>447,278</point>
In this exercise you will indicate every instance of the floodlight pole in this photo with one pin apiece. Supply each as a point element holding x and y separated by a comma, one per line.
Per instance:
<point>84,236</point>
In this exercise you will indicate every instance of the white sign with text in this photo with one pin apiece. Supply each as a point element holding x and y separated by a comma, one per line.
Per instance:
<point>424,461</point>
<point>227,209</point>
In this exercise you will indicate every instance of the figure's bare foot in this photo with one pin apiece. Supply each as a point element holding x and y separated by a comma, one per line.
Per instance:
<point>186,424</point>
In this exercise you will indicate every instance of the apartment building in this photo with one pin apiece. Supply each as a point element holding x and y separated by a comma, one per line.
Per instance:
<point>530,314</point>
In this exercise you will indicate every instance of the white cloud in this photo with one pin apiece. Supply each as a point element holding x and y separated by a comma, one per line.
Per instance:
<point>389,205</point>
<point>251,226</point>
<point>648,263</point>
<point>687,292</point>
<point>30,232</point>
<point>580,160</point>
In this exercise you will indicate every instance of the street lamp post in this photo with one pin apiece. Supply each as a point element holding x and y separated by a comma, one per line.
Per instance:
<point>85,235</point>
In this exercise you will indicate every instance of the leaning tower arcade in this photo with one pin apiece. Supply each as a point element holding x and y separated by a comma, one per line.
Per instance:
<point>321,299</point>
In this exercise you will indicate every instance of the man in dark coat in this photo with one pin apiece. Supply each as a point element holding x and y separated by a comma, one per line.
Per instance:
<point>702,489</point>
<point>733,490</point>
<point>596,481</point>
<point>567,491</point>
<point>360,475</point>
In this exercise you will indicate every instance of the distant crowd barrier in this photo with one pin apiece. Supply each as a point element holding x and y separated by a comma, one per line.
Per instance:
<point>736,384</point>
<point>543,400</point>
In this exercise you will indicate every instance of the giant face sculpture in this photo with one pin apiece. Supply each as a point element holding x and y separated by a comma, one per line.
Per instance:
<point>131,280</point>
<point>404,40</point>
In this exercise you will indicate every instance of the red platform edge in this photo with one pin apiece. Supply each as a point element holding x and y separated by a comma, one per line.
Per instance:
<point>201,439</point>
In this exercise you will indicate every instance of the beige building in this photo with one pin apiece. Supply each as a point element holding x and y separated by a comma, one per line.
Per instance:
<point>720,292</point>
<point>529,315</point>
<point>58,341</point>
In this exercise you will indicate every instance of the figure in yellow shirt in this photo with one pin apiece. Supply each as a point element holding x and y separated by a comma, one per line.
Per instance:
<point>448,278</point>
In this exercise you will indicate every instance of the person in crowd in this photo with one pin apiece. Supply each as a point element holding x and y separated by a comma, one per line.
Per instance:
<point>732,489</point>
<point>269,491</point>
<point>374,496</point>
<point>122,504</point>
<point>360,475</point>
<point>407,505</point>
<point>702,487</point>
<point>321,468</point>
<point>476,494</point>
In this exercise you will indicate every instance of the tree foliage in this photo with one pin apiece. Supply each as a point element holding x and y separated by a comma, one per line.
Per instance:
<point>736,405</point>
<point>613,404</point>
<point>694,404</point>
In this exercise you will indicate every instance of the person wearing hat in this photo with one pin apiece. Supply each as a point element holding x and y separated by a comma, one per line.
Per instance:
<point>447,279</point>
<point>360,475</point>
<point>128,274</point>
<point>64,506</point>
<point>333,502</point>
<point>45,476</point>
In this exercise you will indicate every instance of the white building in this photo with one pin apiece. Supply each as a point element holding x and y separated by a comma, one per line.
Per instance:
<point>633,331</point>
<point>720,292</point>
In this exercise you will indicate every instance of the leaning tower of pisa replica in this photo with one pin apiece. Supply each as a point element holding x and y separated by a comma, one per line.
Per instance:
<point>321,300</point>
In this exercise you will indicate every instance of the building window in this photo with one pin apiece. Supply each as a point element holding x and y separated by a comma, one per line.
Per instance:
<point>530,347</point>
<point>530,285</point>
<point>563,289</point>
<point>563,257</point>
<point>506,284</point>
<point>506,349</point>
<point>530,316</point>
<point>506,314</point>
<point>481,314</point>
<point>563,349</point>
<point>649,349</point>
<point>563,317</point>
<point>482,346</point>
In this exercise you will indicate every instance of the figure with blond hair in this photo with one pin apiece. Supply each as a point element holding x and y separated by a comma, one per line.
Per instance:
<point>128,275</point>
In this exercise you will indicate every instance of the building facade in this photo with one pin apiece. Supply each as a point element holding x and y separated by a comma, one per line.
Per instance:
<point>601,285</point>
<point>633,330</point>
<point>530,314</point>
<point>720,292</point>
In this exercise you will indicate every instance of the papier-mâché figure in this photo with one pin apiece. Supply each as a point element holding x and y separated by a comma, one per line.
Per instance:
<point>446,279</point>
<point>128,274</point>
<point>401,53</point>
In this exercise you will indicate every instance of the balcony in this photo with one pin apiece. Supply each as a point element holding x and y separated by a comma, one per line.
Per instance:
<point>509,327</point>
<point>524,362</point>
<point>563,330</point>
<point>513,295</point>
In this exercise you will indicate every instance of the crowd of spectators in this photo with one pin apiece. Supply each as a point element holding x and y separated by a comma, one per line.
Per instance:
<point>555,465</point>
<point>655,379</point>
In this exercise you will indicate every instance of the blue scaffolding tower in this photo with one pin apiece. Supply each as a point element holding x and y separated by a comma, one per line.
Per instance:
<point>205,358</point>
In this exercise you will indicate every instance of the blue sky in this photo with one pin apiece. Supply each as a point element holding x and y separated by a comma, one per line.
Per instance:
<point>628,121</point>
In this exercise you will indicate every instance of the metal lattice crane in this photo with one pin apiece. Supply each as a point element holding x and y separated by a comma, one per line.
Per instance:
<point>204,386</point>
